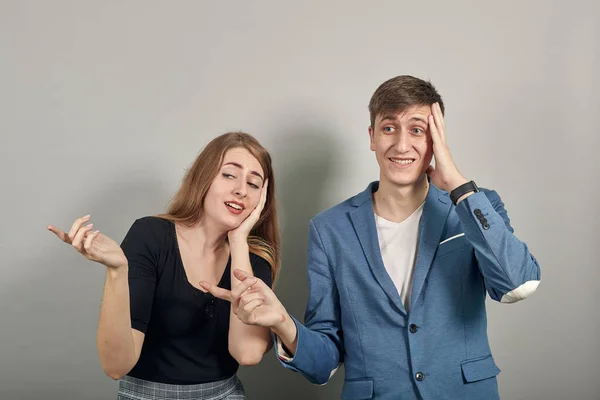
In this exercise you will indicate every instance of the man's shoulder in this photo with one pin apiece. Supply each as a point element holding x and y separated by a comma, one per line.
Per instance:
<point>337,212</point>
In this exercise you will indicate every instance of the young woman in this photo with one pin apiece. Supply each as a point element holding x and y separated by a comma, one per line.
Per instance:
<point>160,333</point>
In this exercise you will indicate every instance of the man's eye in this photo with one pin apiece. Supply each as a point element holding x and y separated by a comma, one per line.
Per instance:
<point>417,131</point>
<point>388,129</point>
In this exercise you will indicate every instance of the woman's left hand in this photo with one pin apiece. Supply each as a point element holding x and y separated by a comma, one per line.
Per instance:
<point>241,232</point>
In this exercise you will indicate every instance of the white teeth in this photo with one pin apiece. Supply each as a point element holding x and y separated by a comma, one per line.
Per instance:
<point>403,162</point>
<point>232,205</point>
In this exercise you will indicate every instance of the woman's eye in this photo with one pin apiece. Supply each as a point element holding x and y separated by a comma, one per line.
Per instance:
<point>226,175</point>
<point>253,185</point>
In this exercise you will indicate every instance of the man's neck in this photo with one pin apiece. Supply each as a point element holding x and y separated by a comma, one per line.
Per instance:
<point>396,203</point>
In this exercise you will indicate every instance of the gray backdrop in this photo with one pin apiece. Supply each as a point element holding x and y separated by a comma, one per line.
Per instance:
<point>104,104</point>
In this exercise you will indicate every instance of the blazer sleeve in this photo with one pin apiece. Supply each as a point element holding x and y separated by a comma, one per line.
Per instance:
<point>511,273</point>
<point>319,348</point>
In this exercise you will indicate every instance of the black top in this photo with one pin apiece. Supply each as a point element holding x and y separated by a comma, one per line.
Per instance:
<point>186,329</point>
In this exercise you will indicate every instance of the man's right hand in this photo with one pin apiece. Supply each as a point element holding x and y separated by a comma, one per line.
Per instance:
<point>92,244</point>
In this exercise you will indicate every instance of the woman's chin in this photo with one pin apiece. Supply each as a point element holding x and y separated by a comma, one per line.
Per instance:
<point>232,222</point>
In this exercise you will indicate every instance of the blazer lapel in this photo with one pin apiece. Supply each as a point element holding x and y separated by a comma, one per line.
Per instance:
<point>363,219</point>
<point>431,227</point>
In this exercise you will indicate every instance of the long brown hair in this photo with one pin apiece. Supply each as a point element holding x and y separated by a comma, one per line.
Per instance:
<point>188,203</point>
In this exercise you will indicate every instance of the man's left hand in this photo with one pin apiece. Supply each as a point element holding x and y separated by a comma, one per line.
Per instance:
<point>445,174</point>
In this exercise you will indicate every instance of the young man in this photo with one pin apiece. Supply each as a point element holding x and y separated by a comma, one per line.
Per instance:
<point>398,274</point>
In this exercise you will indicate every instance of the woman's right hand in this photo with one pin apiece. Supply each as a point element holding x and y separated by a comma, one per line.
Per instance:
<point>92,244</point>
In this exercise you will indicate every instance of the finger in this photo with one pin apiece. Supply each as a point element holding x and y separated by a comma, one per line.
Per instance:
<point>263,197</point>
<point>89,240</point>
<point>251,290</point>
<point>76,225</point>
<point>80,236</point>
<point>241,275</point>
<point>216,291</point>
<point>441,115</point>
<point>261,204</point>
<point>241,287</point>
<point>61,235</point>
<point>248,308</point>
<point>245,299</point>
<point>435,136</point>
<point>439,120</point>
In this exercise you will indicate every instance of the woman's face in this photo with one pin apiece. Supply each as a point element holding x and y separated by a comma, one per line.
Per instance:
<point>236,189</point>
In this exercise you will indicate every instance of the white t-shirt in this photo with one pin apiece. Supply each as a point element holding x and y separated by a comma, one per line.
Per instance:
<point>398,245</point>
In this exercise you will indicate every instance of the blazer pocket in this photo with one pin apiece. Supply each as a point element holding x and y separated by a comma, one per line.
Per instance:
<point>358,389</point>
<point>452,245</point>
<point>479,369</point>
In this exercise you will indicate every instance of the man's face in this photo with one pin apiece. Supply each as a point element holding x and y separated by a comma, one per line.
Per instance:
<point>402,145</point>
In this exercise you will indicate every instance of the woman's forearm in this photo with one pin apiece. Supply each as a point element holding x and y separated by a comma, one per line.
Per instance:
<point>247,343</point>
<point>115,340</point>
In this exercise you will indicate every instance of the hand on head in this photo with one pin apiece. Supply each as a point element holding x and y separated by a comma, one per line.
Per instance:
<point>243,230</point>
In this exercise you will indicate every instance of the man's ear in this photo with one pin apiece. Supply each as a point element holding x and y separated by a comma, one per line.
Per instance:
<point>371,138</point>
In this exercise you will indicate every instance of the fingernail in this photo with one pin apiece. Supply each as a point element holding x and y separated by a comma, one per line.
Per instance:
<point>87,216</point>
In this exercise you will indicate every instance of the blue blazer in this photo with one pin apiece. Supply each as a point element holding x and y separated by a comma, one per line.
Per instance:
<point>440,349</point>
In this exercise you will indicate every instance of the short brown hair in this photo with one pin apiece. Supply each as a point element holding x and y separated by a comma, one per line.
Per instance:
<point>187,204</point>
<point>399,93</point>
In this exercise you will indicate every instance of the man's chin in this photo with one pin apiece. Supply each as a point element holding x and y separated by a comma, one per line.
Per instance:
<point>405,181</point>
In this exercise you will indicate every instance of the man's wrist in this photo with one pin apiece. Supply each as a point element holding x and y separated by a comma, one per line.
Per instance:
<point>464,196</point>
<point>456,182</point>
<point>286,330</point>
<point>462,191</point>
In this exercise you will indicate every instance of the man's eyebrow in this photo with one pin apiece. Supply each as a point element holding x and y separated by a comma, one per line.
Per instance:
<point>240,167</point>
<point>420,119</point>
<point>394,118</point>
<point>388,118</point>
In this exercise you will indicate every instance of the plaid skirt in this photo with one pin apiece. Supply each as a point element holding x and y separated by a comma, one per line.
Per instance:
<point>138,389</point>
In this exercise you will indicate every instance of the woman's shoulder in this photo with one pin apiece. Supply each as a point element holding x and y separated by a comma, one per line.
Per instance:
<point>153,222</point>
<point>150,228</point>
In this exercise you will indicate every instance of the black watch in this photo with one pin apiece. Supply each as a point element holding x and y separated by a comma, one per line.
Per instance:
<point>462,190</point>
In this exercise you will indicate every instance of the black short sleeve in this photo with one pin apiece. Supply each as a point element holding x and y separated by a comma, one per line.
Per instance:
<point>261,269</point>
<point>141,249</point>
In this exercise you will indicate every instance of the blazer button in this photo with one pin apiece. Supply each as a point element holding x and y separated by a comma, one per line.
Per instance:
<point>486,225</point>
<point>477,212</point>
<point>413,328</point>
<point>419,376</point>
